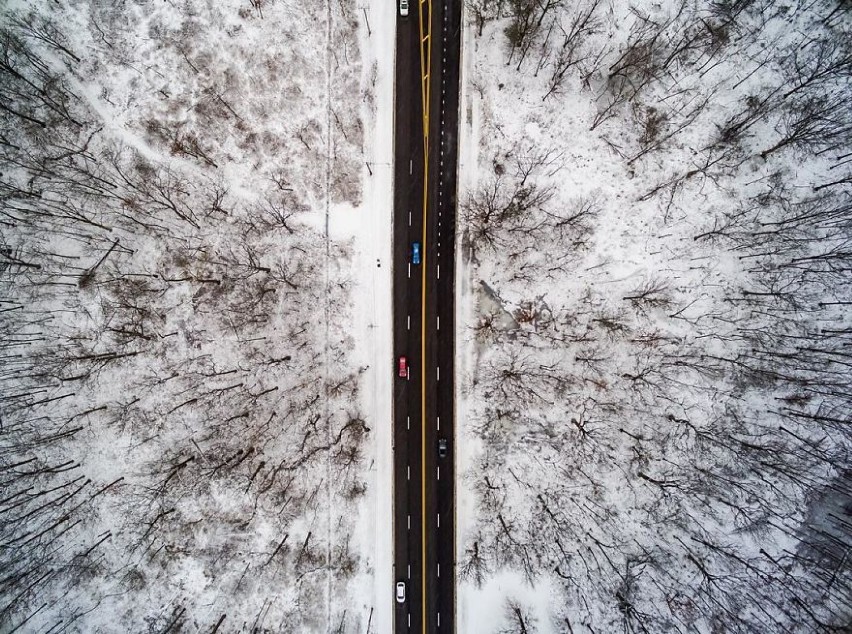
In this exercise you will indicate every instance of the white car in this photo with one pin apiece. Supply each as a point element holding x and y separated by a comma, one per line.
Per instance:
<point>403,8</point>
<point>400,592</point>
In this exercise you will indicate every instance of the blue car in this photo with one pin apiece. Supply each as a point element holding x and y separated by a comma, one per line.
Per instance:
<point>415,253</point>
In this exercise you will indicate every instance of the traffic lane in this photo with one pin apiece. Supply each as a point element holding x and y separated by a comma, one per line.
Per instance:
<point>409,296</point>
<point>407,421</point>
<point>413,430</point>
<point>444,428</point>
<point>407,484</point>
<point>408,224</point>
<point>444,488</point>
<point>411,548</point>
<point>440,501</point>
<point>431,519</point>
<point>401,501</point>
<point>445,307</point>
<point>408,144</point>
<point>436,614</point>
<point>407,498</point>
<point>426,576</point>
<point>408,185</point>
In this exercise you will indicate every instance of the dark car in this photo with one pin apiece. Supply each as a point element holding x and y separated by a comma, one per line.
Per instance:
<point>415,253</point>
<point>442,448</point>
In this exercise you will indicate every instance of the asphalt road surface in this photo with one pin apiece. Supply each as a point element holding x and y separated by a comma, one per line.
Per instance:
<point>427,61</point>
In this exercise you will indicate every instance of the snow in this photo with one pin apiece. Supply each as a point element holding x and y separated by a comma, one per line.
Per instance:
<point>609,445</point>
<point>372,230</point>
<point>467,444</point>
<point>224,481</point>
<point>196,310</point>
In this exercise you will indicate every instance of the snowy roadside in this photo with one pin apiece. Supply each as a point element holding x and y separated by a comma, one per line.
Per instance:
<point>653,192</point>
<point>479,607</point>
<point>229,463</point>
<point>371,226</point>
<point>466,444</point>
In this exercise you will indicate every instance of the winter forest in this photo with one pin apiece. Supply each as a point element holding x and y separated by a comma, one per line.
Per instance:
<point>654,335</point>
<point>181,445</point>
<point>657,240</point>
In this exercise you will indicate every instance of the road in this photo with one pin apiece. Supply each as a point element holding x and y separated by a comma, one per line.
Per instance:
<point>425,150</point>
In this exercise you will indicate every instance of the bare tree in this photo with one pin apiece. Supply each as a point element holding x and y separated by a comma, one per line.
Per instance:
<point>520,619</point>
<point>818,122</point>
<point>819,62</point>
<point>568,55</point>
<point>528,17</point>
<point>485,10</point>
<point>508,203</point>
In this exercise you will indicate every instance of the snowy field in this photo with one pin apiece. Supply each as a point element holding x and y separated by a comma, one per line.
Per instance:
<point>654,328</point>
<point>195,316</point>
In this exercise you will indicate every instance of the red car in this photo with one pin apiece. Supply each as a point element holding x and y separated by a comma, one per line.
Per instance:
<point>403,367</point>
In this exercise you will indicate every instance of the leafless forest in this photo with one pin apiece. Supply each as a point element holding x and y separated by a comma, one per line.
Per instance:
<point>180,437</point>
<point>662,382</point>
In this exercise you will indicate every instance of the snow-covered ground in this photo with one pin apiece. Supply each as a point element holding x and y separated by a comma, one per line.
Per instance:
<point>653,327</point>
<point>372,227</point>
<point>196,299</point>
<point>653,386</point>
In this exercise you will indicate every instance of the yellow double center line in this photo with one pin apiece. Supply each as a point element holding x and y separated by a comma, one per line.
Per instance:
<point>425,76</point>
